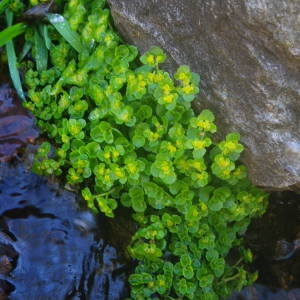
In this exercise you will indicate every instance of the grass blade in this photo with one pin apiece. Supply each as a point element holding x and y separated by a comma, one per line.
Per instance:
<point>63,27</point>
<point>44,33</point>
<point>41,51</point>
<point>3,5</point>
<point>25,50</point>
<point>10,32</point>
<point>12,59</point>
<point>13,69</point>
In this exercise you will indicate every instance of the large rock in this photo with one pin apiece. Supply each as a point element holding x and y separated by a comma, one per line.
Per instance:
<point>248,55</point>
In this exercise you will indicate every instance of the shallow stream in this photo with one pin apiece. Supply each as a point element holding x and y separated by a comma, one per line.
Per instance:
<point>49,248</point>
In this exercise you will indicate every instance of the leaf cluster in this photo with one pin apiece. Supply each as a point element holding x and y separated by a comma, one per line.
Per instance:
<point>125,133</point>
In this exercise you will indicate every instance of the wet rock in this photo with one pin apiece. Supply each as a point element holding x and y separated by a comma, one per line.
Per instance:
<point>248,55</point>
<point>16,125</point>
<point>49,247</point>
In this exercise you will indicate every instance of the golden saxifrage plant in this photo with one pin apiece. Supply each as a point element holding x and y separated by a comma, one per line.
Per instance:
<point>124,132</point>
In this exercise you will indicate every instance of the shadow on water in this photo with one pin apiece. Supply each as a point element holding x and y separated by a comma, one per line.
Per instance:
<point>49,248</point>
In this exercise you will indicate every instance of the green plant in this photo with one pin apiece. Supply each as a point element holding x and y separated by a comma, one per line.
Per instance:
<point>35,32</point>
<point>124,132</point>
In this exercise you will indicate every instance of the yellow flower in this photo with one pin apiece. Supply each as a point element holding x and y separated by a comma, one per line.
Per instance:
<point>171,148</point>
<point>132,168</point>
<point>198,144</point>
<point>183,165</point>
<point>158,77</point>
<point>230,146</point>
<point>166,168</point>
<point>204,124</point>
<point>198,165</point>
<point>119,172</point>
<point>150,59</point>
<point>106,155</point>
<point>195,213</point>
<point>225,172</point>
<point>188,89</point>
<point>203,207</point>
<point>201,176</point>
<point>74,177</point>
<point>168,98</point>
<point>153,136</point>
<point>161,282</point>
<point>223,162</point>
<point>184,78</point>
<point>166,89</point>
<point>125,116</point>
<point>115,154</point>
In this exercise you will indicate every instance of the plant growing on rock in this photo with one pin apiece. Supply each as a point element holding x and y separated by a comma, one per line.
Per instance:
<point>125,133</point>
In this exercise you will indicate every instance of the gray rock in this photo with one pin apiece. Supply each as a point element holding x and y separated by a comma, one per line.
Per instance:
<point>248,55</point>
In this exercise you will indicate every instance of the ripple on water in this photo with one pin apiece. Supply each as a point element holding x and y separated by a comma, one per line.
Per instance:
<point>49,249</point>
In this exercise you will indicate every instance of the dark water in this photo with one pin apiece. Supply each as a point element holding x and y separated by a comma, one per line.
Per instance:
<point>16,124</point>
<point>50,249</point>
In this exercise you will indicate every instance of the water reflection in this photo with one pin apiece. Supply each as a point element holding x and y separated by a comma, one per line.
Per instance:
<point>49,248</point>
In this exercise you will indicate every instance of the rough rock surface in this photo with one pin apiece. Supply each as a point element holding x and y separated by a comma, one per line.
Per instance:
<point>248,55</point>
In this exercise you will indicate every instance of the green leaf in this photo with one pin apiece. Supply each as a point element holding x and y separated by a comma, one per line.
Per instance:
<point>13,69</point>
<point>138,141</point>
<point>10,32</point>
<point>138,279</point>
<point>153,57</point>
<point>63,27</point>
<point>44,33</point>
<point>218,266</point>
<point>12,60</point>
<point>157,196</point>
<point>93,149</point>
<point>106,205</point>
<point>102,132</point>
<point>25,50</point>
<point>183,74</point>
<point>137,199</point>
<point>3,5</point>
<point>41,51</point>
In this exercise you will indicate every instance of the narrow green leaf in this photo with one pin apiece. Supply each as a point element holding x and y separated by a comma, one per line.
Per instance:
<point>10,32</point>
<point>45,34</point>
<point>12,60</point>
<point>13,69</point>
<point>41,55</point>
<point>3,5</point>
<point>63,27</point>
<point>25,50</point>
<point>9,16</point>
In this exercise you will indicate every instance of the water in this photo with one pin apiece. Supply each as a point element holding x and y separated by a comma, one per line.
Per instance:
<point>16,125</point>
<point>51,249</point>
